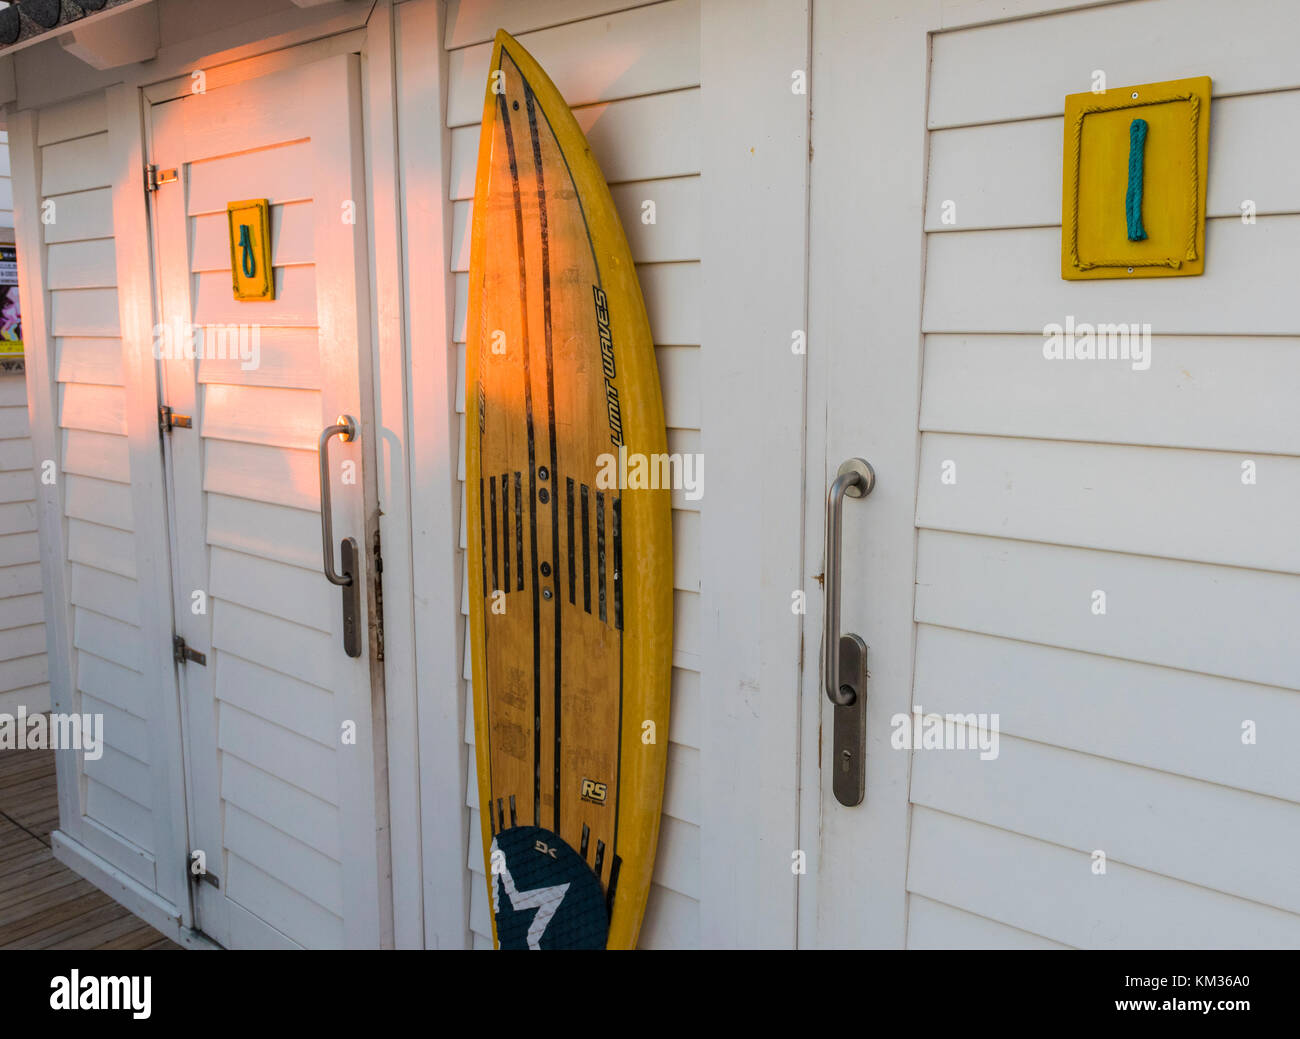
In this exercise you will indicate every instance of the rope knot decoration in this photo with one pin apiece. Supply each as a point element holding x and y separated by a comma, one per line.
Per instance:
<point>247,259</point>
<point>1137,140</point>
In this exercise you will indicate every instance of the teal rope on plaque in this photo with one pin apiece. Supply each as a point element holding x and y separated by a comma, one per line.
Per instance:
<point>247,258</point>
<point>1137,140</point>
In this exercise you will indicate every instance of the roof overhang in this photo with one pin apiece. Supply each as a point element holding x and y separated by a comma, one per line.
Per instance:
<point>104,34</point>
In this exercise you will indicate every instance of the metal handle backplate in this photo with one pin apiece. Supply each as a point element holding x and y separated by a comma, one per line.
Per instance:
<point>345,427</point>
<point>844,656</point>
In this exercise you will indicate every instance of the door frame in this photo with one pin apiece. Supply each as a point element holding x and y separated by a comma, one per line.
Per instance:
<point>425,826</point>
<point>754,161</point>
<point>422,228</point>
<point>873,51</point>
<point>425,816</point>
<point>375,925</point>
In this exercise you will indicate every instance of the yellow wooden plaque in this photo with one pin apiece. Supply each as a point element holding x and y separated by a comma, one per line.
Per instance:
<point>1133,191</point>
<point>250,249</point>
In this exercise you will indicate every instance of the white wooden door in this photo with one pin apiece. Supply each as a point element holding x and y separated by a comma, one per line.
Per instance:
<point>280,758</point>
<point>1133,797</point>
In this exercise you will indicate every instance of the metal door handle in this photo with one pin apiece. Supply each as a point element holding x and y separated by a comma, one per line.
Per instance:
<point>844,656</point>
<point>345,426</point>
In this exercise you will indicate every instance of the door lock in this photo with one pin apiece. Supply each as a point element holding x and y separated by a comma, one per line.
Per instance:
<point>844,657</point>
<point>345,427</point>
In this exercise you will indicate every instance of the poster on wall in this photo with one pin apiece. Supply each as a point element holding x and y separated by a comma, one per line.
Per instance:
<point>11,320</point>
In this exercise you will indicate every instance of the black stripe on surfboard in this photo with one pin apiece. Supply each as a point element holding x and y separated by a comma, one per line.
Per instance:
<point>519,529</point>
<point>614,865</point>
<point>586,552</point>
<point>532,455</point>
<point>544,226</point>
<point>492,499</point>
<point>618,763</point>
<point>482,544</point>
<point>573,585</point>
<point>482,535</point>
<point>505,529</point>
<point>616,507</point>
<point>600,549</point>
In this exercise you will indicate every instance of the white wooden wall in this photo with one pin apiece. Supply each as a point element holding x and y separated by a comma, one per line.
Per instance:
<point>631,74</point>
<point>6,191</point>
<point>89,311</point>
<point>65,158</point>
<point>1120,732</point>
<point>23,667</point>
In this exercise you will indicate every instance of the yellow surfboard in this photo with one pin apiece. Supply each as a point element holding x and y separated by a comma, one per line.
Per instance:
<point>570,558</point>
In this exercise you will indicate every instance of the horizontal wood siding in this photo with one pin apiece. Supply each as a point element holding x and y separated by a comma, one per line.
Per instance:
<point>1120,732</point>
<point>6,191</point>
<point>23,675</point>
<point>86,359</point>
<point>639,105</point>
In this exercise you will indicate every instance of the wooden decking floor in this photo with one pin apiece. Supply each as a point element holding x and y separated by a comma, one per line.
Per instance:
<point>43,904</point>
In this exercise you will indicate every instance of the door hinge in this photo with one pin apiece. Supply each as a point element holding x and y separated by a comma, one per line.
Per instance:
<point>204,877</point>
<point>169,420</point>
<point>154,178</point>
<point>182,653</point>
<point>379,600</point>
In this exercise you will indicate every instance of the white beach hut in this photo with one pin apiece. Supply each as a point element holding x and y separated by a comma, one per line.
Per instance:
<point>856,252</point>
